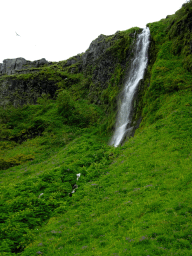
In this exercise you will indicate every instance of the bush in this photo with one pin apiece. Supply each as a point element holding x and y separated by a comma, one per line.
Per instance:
<point>77,113</point>
<point>13,161</point>
<point>65,104</point>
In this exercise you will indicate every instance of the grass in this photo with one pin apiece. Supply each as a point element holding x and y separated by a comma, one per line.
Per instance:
<point>130,200</point>
<point>44,162</point>
<point>139,205</point>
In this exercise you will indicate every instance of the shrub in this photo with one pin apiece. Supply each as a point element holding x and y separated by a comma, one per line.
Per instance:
<point>13,161</point>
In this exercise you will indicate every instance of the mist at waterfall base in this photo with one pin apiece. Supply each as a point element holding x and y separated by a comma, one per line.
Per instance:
<point>57,30</point>
<point>136,73</point>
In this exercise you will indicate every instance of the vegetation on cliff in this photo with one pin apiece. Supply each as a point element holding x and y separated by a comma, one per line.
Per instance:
<point>131,200</point>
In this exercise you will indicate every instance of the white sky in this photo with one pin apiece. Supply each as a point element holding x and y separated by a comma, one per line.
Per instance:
<point>59,29</point>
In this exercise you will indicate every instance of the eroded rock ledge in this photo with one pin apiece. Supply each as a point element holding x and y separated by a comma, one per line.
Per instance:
<point>15,66</point>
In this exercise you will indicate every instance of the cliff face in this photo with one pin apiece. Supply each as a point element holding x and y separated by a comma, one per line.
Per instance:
<point>99,74</point>
<point>17,91</point>
<point>20,65</point>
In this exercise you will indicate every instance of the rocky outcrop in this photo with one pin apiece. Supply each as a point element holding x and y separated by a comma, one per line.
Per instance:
<point>95,50</point>
<point>20,92</point>
<point>105,55</point>
<point>16,91</point>
<point>103,65</point>
<point>13,66</point>
<point>99,46</point>
<point>73,60</point>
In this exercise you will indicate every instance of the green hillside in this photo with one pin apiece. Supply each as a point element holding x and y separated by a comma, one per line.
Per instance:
<point>56,121</point>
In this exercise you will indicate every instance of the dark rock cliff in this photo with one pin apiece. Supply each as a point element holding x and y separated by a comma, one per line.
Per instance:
<point>23,81</point>
<point>97,75</point>
<point>20,65</point>
<point>17,91</point>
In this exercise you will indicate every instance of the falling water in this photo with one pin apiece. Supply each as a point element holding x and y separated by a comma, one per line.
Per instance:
<point>136,73</point>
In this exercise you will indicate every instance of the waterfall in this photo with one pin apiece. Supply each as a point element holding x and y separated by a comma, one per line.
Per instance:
<point>136,73</point>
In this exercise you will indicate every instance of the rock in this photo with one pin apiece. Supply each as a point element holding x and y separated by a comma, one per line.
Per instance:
<point>41,62</point>
<point>19,92</point>
<point>73,60</point>
<point>12,66</point>
<point>95,50</point>
<point>105,55</point>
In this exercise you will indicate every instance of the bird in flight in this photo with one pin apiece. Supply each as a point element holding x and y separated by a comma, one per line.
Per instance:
<point>17,34</point>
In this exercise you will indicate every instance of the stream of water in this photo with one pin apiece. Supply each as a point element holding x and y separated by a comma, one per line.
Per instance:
<point>136,73</point>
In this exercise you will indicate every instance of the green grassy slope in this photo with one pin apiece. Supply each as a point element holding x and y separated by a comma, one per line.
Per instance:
<point>131,200</point>
<point>140,205</point>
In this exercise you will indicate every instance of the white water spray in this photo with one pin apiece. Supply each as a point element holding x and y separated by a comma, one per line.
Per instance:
<point>136,73</point>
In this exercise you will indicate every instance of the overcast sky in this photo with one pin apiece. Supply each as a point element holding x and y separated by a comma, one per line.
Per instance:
<point>59,29</point>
